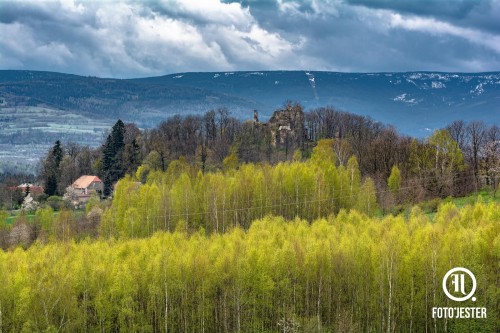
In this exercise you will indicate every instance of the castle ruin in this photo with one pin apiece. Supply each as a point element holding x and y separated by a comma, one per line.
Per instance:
<point>286,126</point>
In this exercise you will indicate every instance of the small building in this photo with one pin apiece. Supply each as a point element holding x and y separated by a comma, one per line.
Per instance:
<point>35,190</point>
<point>85,186</point>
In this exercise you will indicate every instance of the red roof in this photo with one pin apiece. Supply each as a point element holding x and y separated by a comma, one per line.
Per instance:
<point>33,188</point>
<point>85,181</point>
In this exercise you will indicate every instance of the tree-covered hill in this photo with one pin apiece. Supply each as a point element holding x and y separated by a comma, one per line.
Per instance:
<point>346,273</point>
<point>37,108</point>
<point>145,104</point>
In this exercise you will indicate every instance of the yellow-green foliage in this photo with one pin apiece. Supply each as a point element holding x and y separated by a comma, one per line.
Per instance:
<point>394,180</point>
<point>219,201</point>
<point>346,273</point>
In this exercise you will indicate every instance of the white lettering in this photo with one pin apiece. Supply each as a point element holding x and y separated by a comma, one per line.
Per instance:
<point>459,313</point>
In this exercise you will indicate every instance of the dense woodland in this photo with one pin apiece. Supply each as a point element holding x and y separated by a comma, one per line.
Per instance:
<point>210,224</point>
<point>453,161</point>
<point>346,273</point>
<point>215,172</point>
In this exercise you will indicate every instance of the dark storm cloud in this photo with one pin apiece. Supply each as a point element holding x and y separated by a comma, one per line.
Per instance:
<point>135,38</point>
<point>455,8</point>
<point>11,12</point>
<point>388,36</point>
<point>483,14</point>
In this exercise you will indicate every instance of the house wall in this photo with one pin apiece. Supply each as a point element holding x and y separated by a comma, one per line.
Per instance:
<point>96,186</point>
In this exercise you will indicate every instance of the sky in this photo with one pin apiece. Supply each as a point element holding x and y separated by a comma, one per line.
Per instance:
<point>128,38</point>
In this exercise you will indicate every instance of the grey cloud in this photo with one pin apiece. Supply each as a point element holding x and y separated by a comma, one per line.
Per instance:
<point>456,8</point>
<point>132,39</point>
<point>44,12</point>
<point>361,38</point>
<point>482,14</point>
<point>11,12</point>
<point>135,38</point>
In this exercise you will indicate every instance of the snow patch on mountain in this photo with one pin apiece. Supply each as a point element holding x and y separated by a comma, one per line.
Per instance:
<point>438,76</point>
<point>478,90</point>
<point>312,81</point>
<point>399,98</point>
<point>437,85</point>
<point>403,98</point>
<point>412,82</point>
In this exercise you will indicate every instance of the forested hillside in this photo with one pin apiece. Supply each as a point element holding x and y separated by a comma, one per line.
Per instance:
<point>38,108</point>
<point>456,160</point>
<point>216,202</point>
<point>345,273</point>
<point>306,223</point>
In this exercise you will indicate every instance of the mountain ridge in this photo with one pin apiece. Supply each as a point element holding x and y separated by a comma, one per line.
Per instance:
<point>38,107</point>
<point>397,98</point>
<point>343,90</point>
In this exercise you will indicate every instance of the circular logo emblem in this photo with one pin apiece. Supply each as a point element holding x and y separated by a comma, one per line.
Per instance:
<point>458,277</point>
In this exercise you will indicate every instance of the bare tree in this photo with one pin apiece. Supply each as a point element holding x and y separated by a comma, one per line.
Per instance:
<point>492,164</point>
<point>458,131</point>
<point>21,234</point>
<point>477,135</point>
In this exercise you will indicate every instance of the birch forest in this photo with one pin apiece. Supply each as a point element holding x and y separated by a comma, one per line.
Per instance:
<point>343,273</point>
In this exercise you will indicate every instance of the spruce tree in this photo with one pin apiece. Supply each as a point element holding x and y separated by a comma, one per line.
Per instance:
<point>107,163</point>
<point>131,157</point>
<point>51,168</point>
<point>112,160</point>
<point>57,153</point>
<point>51,185</point>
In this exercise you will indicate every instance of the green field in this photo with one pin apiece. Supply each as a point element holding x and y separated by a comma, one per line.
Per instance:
<point>484,196</point>
<point>14,216</point>
<point>27,132</point>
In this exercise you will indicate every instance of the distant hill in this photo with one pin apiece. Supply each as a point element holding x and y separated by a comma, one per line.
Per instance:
<point>132,100</point>
<point>413,102</point>
<point>38,107</point>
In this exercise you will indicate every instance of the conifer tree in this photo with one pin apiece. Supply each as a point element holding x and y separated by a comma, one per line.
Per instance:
<point>57,153</point>
<point>107,164</point>
<point>131,157</point>
<point>112,161</point>
<point>51,168</point>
